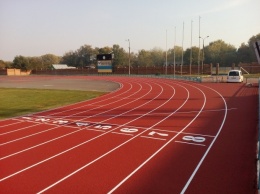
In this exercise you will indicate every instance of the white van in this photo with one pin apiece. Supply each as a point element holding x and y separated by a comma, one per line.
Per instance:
<point>235,76</point>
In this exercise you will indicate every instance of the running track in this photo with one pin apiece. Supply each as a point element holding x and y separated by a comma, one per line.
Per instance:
<point>149,136</point>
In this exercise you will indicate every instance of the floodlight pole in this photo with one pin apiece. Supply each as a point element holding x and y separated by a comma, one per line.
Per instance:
<point>166,55</point>
<point>182,47</point>
<point>199,50</point>
<point>128,56</point>
<point>174,52</point>
<point>191,48</point>
<point>203,52</point>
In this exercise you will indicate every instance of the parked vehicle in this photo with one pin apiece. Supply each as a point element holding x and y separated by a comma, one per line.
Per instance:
<point>235,76</point>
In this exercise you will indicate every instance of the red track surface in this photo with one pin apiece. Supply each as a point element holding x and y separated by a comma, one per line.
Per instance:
<point>149,136</point>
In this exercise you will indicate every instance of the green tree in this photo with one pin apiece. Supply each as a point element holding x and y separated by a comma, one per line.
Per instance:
<point>157,56</point>
<point>244,54</point>
<point>178,55</point>
<point>105,50</point>
<point>251,43</point>
<point>220,52</point>
<point>120,56</point>
<point>49,59</point>
<point>85,56</point>
<point>69,58</point>
<point>35,63</point>
<point>144,58</point>
<point>2,64</point>
<point>194,57</point>
<point>21,62</point>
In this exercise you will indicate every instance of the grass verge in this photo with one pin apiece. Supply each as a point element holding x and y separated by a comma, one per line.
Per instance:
<point>16,102</point>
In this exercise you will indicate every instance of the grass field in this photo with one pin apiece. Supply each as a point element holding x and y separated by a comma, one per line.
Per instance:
<point>15,102</point>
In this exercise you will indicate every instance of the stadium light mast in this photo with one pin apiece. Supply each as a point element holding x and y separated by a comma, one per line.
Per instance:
<point>166,55</point>
<point>203,51</point>
<point>182,47</point>
<point>199,50</point>
<point>191,47</point>
<point>128,40</point>
<point>174,64</point>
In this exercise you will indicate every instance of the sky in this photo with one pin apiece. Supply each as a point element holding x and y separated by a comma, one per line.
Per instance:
<point>38,27</point>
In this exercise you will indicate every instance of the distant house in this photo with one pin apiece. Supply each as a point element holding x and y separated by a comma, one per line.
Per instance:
<point>62,66</point>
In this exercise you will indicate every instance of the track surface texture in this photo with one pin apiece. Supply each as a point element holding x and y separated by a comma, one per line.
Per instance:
<point>148,136</point>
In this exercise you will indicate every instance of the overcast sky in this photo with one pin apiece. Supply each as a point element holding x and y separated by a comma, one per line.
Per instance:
<point>38,27</point>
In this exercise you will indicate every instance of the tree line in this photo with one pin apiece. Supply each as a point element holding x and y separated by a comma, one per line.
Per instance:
<point>216,52</point>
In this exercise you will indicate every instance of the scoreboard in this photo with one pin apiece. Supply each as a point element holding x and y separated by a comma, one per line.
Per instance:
<point>104,63</point>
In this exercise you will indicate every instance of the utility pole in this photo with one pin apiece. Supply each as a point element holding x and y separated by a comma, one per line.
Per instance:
<point>128,57</point>
<point>203,52</point>
<point>199,50</point>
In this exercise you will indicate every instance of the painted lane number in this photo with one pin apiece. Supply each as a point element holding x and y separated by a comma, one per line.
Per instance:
<point>105,127</point>
<point>128,130</point>
<point>160,134</point>
<point>194,139</point>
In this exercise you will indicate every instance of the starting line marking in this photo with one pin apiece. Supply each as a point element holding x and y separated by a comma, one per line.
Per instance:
<point>154,138</point>
<point>123,133</point>
<point>190,143</point>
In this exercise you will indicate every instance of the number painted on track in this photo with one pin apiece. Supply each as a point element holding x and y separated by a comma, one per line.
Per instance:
<point>194,139</point>
<point>105,127</point>
<point>80,124</point>
<point>42,120</point>
<point>160,134</point>
<point>60,122</point>
<point>129,130</point>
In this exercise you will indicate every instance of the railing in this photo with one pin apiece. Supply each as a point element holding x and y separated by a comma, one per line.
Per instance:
<point>177,77</point>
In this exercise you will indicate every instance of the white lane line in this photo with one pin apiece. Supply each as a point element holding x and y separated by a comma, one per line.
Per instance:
<point>66,177</point>
<point>162,147</point>
<point>190,143</point>
<point>8,142</point>
<point>19,129</point>
<point>74,172</point>
<point>156,138</point>
<point>39,144</point>
<point>65,151</point>
<point>123,133</point>
<point>17,118</point>
<point>166,113</point>
<point>210,146</point>
<point>58,127</point>
<point>6,125</point>
<point>65,124</point>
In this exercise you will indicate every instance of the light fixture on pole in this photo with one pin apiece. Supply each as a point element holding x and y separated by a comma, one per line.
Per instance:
<point>203,52</point>
<point>128,56</point>
<point>174,52</point>
<point>182,47</point>
<point>191,48</point>
<point>199,50</point>
<point>166,55</point>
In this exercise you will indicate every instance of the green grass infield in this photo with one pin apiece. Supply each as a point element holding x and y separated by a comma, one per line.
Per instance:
<point>17,102</point>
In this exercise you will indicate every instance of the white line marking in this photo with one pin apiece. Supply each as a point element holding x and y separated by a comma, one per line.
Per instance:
<point>123,133</point>
<point>207,151</point>
<point>156,138</point>
<point>68,116</point>
<point>3,126</point>
<point>148,159</point>
<point>85,141</point>
<point>71,174</point>
<point>20,129</point>
<point>64,135</point>
<point>39,144</point>
<point>190,143</point>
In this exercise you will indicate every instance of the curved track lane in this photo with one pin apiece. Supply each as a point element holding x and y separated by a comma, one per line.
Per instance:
<point>149,136</point>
